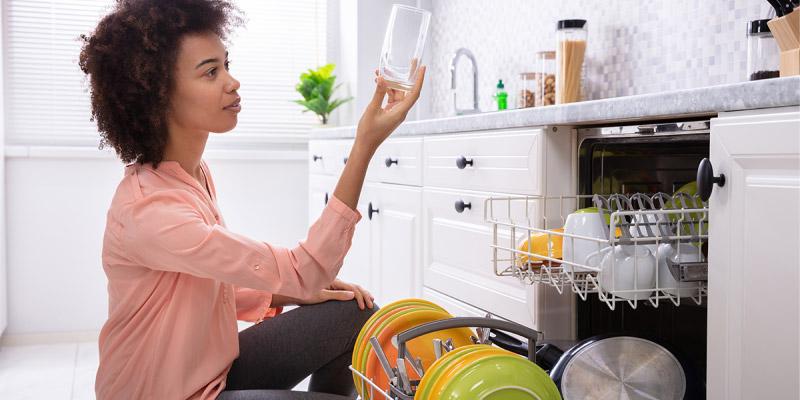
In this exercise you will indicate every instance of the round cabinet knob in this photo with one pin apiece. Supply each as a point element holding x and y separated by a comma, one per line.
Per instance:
<point>706,179</point>
<point>460,206</point>
<point>371,210</point>
<point>326,198</point>
<point>316,157</point>
<point>462,162</point>
<point>344,160</point>
<point>389,162</point>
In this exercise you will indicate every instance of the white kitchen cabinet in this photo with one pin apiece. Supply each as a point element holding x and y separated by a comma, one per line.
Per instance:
<point>534,161</point>
<point>359,264</point>
<point>396,228</point>
<point>398,161</point>
<point>457,256</point>
<point>754,273</point>
<point>320,188</point>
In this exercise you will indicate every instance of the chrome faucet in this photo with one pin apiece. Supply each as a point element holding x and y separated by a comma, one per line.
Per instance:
<point>464,52</point>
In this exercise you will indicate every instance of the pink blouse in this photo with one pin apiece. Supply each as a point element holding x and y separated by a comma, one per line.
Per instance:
<point>178,280</point>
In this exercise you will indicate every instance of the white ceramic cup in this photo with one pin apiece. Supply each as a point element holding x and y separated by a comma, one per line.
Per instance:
<point>666,282</point>
<point>624,268</point>
<point>586,223</point>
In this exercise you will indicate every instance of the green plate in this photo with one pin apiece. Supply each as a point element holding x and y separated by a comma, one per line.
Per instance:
<point>501,377</point>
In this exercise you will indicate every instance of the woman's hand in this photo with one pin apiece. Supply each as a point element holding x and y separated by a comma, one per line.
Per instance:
<point>338,290</point>
<point>376,124</point>
<point>379,121</point>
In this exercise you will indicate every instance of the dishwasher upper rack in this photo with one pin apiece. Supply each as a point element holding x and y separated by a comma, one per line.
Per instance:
<point>635,222</point>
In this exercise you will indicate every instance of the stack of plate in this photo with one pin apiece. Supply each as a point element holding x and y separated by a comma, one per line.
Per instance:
<point>484,372</point>
<point>391,320</point>
<point>469,371</point>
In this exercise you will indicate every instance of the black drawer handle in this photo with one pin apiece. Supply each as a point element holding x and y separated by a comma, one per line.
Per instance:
<point>326,198</point>
<point>389,162</point>
<point>460,206</point>
<point>462,162</point>
<point>316,157</point>
<point>344,160</point>
<point>706,179</point>
<point>371,210</point>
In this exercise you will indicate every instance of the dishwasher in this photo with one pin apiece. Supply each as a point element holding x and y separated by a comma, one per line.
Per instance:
<point>645,274</point>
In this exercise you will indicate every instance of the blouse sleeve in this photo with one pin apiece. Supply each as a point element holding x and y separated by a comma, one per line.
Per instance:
<point>166,231</point>
<point>253,305</point>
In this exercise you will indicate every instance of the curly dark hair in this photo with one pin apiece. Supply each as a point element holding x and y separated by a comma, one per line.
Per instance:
<point>130,58</point>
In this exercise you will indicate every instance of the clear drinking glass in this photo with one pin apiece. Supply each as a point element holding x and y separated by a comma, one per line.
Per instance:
<point>403,46</point>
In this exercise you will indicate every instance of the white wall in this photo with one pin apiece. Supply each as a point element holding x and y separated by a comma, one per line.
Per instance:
<point>3,274</point>
<point>358,30</point>
<point>633,47</point>
<point>57,200</point>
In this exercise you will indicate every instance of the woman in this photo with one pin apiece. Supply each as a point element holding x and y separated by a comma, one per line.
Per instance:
<point>177,278</point>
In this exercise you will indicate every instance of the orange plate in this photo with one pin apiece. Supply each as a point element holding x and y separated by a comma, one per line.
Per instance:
<point>420,347</point>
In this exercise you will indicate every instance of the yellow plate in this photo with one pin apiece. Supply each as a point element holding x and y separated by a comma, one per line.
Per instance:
<point>364,348</point>
<point>358,348</point>
<point>420,347</point>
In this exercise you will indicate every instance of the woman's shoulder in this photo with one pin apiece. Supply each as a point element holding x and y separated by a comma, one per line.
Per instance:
<point>144,186</point>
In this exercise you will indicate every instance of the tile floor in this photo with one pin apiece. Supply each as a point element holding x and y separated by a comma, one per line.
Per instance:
<point>63,371</point>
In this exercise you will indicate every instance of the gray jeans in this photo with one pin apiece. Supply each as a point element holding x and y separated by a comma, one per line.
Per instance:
<point>278,353</point>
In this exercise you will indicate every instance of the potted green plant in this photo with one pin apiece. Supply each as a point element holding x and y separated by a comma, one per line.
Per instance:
<point>316,87</point>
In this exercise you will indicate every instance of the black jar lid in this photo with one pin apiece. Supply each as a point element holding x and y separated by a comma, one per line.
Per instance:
<point>757,26</point>
<point>571,23</point>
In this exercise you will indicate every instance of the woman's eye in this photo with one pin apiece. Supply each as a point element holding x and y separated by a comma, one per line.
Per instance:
<point>211,72</point>
<point>227,65</point>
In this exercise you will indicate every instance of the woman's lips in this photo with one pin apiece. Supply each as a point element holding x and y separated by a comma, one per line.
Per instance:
<point>234,107</point>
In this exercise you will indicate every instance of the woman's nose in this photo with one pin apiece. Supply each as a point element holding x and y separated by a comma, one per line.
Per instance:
<point>233,85</point>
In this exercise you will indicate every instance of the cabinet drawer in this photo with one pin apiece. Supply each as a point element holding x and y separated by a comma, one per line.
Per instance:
<point>509,162</point>
<point>398,161</point>
<point>327,156</point>
<point>457,260</point>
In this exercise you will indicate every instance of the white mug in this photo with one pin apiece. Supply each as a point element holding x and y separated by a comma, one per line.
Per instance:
<point>582,223</point>
<point>666,282</point>
<point>625,268</point>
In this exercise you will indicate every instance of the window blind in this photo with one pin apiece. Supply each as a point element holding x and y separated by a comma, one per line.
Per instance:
<point>46,97</point>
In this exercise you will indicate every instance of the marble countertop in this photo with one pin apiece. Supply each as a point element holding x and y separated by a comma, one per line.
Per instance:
<point>706,101</point>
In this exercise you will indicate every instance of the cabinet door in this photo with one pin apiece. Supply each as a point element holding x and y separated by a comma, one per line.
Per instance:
<point>397,228</point>
<point>359,266</point>
<point>754,274</point>
<point>320,188</point>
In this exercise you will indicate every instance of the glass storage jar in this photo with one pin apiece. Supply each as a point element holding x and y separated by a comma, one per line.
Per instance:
<point>545,78</point>
<point>527,90</point>
<point>571,36</point>
<point>763,55</point>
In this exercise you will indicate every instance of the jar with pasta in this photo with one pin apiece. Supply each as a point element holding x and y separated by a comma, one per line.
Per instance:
<point>570,53</point>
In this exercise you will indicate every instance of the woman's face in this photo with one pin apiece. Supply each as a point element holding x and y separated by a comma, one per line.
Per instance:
<point>204,89</point>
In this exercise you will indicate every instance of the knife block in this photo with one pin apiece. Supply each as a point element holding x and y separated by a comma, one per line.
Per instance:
<point>786,31</point>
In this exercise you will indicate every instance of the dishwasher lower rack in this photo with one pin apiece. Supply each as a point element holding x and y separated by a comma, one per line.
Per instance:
<point>650,249</point>
<point>403,388</point>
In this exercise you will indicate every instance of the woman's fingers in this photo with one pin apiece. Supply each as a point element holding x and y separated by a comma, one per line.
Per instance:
<point>341,295</point>
<point>359,298</point>
<point>380,93</point>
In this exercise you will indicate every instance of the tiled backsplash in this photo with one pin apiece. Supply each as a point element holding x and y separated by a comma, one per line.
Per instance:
<point>634,47</point>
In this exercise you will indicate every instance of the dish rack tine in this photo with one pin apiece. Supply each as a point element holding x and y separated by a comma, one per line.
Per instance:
<point>376,347</point>
<point>416,363</point>
<point>372,386</point>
